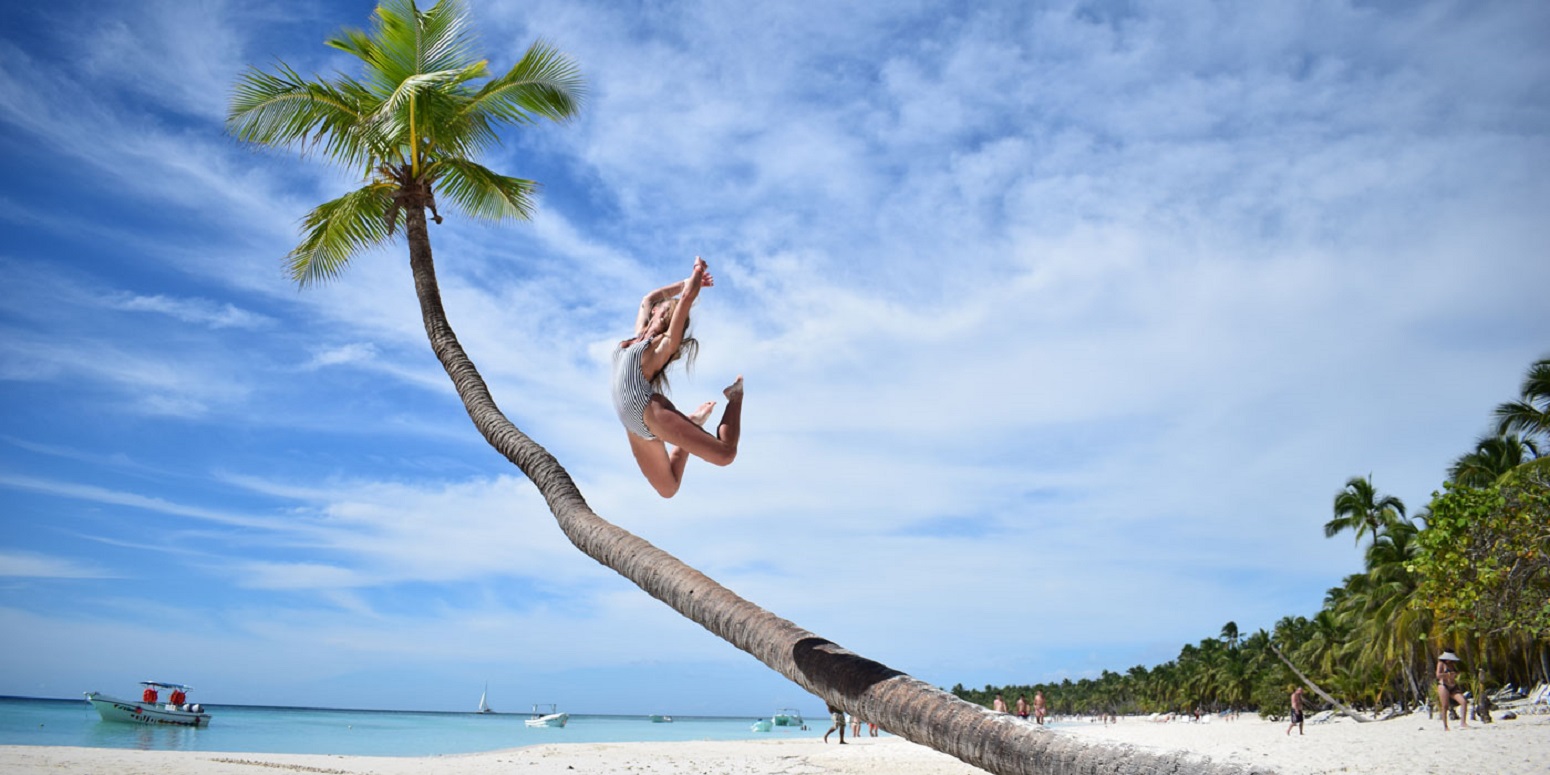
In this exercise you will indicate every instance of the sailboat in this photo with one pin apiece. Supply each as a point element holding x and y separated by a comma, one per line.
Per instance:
<point>484,701</point>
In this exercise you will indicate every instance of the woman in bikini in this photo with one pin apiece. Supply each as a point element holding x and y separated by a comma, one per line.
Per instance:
<point>1448,689</point>
<point>639,378</point>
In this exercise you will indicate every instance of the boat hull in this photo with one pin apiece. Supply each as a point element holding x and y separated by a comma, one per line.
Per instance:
<point>550,720</point>
<point>150,713</point>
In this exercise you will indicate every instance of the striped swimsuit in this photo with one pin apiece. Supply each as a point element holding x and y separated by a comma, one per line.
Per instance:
<point>631,390</point>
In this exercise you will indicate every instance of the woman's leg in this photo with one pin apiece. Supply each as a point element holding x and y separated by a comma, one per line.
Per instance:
<point>663,467</point>
<point>674,427</point>
<point>1442,703</point>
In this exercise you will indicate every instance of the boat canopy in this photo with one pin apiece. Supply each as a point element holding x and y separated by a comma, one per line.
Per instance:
<point>161,685</point>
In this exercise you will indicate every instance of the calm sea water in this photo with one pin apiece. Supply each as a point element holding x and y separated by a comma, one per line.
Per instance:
<point>352,732</point>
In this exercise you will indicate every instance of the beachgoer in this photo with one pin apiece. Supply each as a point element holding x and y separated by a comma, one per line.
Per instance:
<point>639,377</point>
<point>1022,707</point>
<point>1296,711</point>
<point>855,725</point>
<point>999,705</point>
<point>836,721</point>
<point>1038,706</point>
<point>1448,689</point>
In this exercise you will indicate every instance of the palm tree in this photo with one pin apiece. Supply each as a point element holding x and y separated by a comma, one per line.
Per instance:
<point>1230,634</point>
<point>413,124</point>
<point>1530,414</point>
<point>1492,457</point>
<point>1359,507</point>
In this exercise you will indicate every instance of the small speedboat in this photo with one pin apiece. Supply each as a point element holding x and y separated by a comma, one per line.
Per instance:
<point>547,718</point>
<point>787,717</point>
<point>762,725</point>
<point>176,711</point>
<point>657,718</point>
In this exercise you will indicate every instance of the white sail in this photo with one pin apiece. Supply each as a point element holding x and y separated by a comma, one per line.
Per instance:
<point>484,705</point>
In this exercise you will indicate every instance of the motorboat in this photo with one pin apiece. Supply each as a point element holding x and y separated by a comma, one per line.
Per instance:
<point>552,717</point>
<point>176,711</point>
<point>762,725</point>
<point>787,717</point>
<point>484,701</point>
<point>657,718</point>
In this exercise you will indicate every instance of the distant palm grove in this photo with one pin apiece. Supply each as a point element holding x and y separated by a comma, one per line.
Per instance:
<point>1468,573</point>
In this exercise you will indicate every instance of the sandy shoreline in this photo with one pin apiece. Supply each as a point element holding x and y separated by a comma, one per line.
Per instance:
<point>1405,746</point>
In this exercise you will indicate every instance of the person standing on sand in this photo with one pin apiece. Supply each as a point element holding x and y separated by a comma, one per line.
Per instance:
<point>1448,689</point>
<point>836,721</point>
<point>1296,711</point>
<point>1022,707</point>
<point>651,420</point>
<point>1038,706</point>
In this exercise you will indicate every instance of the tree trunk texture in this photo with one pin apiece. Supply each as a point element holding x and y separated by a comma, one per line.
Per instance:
<point>1320,692</point>
<point>902,705</point>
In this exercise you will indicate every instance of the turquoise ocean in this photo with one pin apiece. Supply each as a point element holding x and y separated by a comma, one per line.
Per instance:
<point>251,729</point>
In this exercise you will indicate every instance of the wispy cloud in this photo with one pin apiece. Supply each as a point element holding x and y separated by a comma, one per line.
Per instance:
<point>28,565</point>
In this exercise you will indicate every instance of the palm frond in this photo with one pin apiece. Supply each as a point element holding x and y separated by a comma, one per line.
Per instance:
<point>283,109</point>
<point>482,193</point>
<point>544,83</point>
<point>335,231</point>
<point>406,42</point>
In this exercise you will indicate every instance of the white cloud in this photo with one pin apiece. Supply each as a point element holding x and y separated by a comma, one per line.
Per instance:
<point>15,564</point>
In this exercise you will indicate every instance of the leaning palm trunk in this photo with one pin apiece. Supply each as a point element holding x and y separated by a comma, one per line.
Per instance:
<point>1316,690</point>
<point>899,703</point>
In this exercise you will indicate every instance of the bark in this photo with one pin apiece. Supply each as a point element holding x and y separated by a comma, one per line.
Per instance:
<point>1316,690</point>
<point>903,705</point>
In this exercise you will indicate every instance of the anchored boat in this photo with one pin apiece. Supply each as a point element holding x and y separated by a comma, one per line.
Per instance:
<point>550,718</point>
<point>176,711</point>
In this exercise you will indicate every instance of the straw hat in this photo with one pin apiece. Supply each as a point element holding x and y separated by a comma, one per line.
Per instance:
<point>1448,656</point>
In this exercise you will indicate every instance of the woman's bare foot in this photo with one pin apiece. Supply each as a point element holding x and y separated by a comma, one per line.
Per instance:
<point>702,414</point>
<point>734,391</point>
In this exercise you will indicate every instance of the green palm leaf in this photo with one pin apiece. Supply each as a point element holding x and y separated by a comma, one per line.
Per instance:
<point>482,193</point>
<point>337,230</point>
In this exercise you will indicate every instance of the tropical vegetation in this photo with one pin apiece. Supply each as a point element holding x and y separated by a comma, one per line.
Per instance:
<point>1470,573</point>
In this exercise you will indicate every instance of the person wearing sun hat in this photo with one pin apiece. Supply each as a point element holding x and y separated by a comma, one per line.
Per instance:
<point>1448,689</point>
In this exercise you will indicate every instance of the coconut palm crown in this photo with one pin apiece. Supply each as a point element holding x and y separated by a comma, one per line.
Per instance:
<point>423,109</point>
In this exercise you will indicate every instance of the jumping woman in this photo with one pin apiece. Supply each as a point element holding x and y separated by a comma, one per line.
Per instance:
<point>639,378</point>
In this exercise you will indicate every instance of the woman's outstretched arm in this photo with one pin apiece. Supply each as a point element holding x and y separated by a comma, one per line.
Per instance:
<point>698,278</point>
<point>651,300</point>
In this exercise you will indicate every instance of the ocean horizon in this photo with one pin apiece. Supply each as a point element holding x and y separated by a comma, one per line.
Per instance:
<point>355,732</point>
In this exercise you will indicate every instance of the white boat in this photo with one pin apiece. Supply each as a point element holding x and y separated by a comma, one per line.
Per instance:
<point>176,711</point>
<point>484,702</point>
<point>550,718</point>
<point>658,718</point>
<point>787,717</point>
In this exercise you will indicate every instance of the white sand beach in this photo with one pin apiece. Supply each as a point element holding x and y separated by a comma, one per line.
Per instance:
<point>1411,745</point>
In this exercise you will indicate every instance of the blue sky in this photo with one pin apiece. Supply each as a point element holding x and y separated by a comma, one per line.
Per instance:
<point>1062,325</point>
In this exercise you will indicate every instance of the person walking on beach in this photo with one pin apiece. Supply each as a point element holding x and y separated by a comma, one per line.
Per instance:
<point>1448,689</point>
<point>836,721</point>
<point>639,377</point>
<point>1038,707</point>
<point>1296,711</point>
